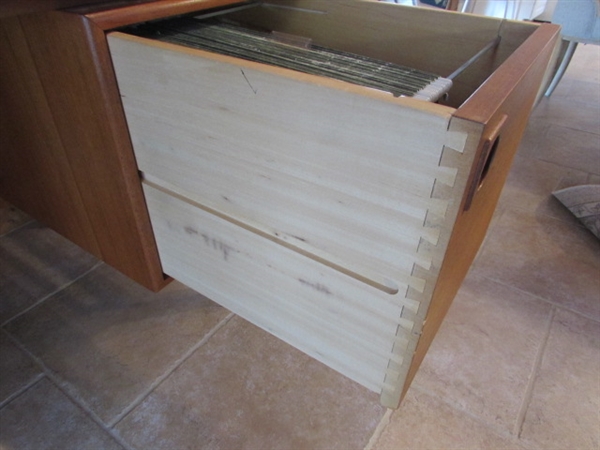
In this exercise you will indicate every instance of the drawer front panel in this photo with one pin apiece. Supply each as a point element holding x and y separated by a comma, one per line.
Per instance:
<point>348,325</point>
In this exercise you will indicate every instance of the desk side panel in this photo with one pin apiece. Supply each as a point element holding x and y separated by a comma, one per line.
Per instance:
<point>111,18</point>
<point>74,66</point>
<point>35,174</point>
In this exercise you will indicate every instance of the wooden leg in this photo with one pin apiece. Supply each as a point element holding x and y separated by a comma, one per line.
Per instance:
<point>562,68</point>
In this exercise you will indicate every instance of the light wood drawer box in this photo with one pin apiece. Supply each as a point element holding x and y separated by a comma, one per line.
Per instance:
<point>339,218</point>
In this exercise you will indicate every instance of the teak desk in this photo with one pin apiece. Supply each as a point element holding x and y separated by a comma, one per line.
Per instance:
<point>339,218</point>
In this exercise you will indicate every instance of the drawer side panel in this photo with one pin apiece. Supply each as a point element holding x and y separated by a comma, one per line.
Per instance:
<point>336,319</point>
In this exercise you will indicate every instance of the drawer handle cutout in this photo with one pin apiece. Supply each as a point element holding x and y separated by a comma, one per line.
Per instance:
<point>488,162</point>
<point>485,161</point>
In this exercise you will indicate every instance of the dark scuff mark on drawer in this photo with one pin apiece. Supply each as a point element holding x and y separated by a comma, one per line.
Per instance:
<point>316,286</point>
<point>218,245</point>
<point>212,242</point>
<point>190,230</point>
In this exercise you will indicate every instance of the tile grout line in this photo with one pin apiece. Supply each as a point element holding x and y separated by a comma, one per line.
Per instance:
<point>18,228</point>
<point>571,128</point>
<point>571,220</point>
<point>514,434</point>
<point>54,292</point>
<point>537,363</point>
<point>545,215</point>
<point>29,385</point>
<point>140,398</point>
<point>61,385</point>
<point>558,306</point>
<point>494,220</point>
<point>22,390</point>
<point>379,429</point>
<point>501,432</point>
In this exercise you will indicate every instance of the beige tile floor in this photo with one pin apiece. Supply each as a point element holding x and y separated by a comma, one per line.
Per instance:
<point>89,360</point>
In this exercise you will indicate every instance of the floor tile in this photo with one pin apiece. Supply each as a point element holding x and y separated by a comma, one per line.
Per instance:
<point>531,137</point>
<point>564,88</point>
<point>585,65</point>
<point>17,369</point>
<point>530,184</point>
<point>581,116</point>
<point>111,342</point>
<point>110,339</point>
<point>246,389</point>
<point>425,423</point>
<point>482,357</point>
<point>44,418</point>
<point>572,148</point>
<point>546,257</point>
<point>584,90</point>
<point>565,408</point>
<point>581,82</point>
<point>35,262</point>
<point>11,218</point>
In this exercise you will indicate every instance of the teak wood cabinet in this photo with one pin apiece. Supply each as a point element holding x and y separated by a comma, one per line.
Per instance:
<point>339,218</point>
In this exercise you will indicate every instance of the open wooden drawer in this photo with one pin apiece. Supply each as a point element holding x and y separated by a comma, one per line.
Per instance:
<point>340,218</point>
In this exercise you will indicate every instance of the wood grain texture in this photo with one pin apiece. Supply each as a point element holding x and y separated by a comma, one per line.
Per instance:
<point>338,320</point>
<point>260,179</point>
<point>531,55</point>
<point>460,155</point>
<point>109,18</point>
<point>334,180</point>
<point>35,173</point>
<point>510,92</point>
<point>83,110</point>
<point>328,214</point>
<point>10,8</point>
<point>345,176</point>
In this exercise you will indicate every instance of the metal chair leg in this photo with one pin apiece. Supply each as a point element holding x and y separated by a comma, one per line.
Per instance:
<point>562,68</point>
